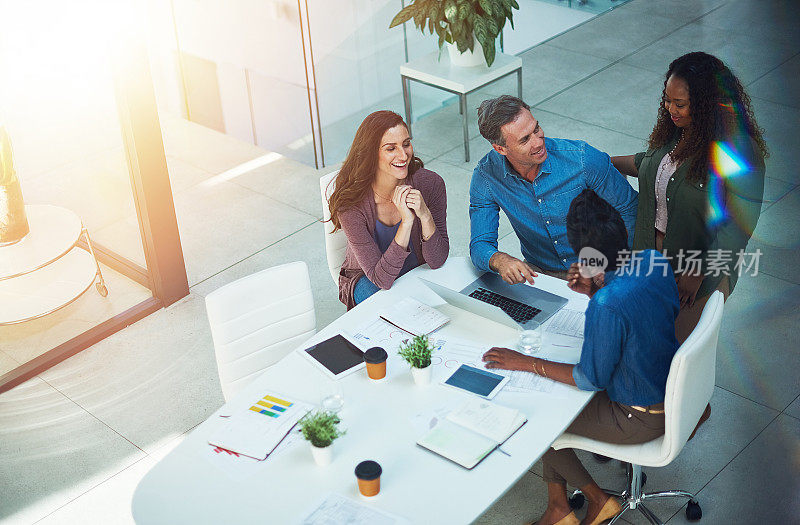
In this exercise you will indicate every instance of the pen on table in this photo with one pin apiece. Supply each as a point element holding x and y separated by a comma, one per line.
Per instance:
<point>503,451</point>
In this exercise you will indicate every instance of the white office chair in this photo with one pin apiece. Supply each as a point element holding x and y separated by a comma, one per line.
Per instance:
<point>335,243</point>
<point>257,320</point>
<point>689,387</point>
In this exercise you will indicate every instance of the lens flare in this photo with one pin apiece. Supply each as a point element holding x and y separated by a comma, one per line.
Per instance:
<point>726,166</point>
<point>733,170</point>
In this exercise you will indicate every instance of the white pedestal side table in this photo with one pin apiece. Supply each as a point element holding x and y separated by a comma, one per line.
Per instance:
<point>46,270</point>
<point>462,81</point>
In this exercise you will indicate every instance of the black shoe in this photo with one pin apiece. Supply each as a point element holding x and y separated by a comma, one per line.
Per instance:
<point>601,458</point>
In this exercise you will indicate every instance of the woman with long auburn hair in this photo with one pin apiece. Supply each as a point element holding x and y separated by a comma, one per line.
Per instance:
<point>701,181</point>
<point>393,211</point>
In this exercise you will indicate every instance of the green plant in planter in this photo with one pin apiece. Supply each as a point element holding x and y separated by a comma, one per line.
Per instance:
<point>320,428</point>
<point>417,351</point>
<point>455,21</point>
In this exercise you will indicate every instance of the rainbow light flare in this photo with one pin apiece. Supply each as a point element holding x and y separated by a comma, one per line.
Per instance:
<point>726,166</point>
<point>725,161</point>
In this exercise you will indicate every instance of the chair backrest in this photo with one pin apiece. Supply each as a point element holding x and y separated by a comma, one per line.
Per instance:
<point>335,242</point>
<point>257,320</point>
<point>690,383</point>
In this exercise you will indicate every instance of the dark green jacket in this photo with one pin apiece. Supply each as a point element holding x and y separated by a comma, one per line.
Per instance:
<point>689,206</point>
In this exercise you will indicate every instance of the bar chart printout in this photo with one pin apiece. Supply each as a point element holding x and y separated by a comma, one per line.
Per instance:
<point>271,406</point>
<point>256,429</point>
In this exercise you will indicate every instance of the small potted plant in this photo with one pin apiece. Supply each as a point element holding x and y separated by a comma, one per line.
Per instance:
<point>320,428</point>
<point>466,25</point>
<point>417,353</point>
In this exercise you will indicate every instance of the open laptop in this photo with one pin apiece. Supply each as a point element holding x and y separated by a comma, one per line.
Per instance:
<point>510,304</point>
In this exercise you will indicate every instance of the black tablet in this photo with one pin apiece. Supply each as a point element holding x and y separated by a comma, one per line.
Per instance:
<point>336,356</point>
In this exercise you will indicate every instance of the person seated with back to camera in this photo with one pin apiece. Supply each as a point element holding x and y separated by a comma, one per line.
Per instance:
<point>629,342</point>
<point>392,210</point>
<point>533,179</point>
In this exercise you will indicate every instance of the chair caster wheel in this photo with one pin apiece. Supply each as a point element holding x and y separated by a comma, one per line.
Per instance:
<point>576,501</point>
<point>101,289</point>
<point>693,511</point>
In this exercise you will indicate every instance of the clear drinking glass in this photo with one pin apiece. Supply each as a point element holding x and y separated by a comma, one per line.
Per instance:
<point>530,340</point>
<point>333,397</point>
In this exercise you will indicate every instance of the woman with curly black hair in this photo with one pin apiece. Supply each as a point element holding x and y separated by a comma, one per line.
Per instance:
<point>701,181</point>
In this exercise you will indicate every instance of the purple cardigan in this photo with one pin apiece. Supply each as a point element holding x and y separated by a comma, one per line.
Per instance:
<point>363,257</point>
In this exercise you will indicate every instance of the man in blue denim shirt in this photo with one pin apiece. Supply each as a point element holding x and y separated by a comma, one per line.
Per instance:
<point>629,342</point>
<point>533,179</point>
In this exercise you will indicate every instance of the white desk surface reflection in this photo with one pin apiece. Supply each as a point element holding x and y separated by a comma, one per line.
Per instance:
<point>382,419</point>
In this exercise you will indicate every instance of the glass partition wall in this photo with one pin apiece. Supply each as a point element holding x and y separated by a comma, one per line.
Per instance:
<point>357,71</point>
<point>78,106</point>
<point>296,77</point>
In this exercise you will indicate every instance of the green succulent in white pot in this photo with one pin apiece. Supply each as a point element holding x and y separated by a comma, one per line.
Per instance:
<point>417,353</point>
<point>465,24</point>
<point>320,429</point>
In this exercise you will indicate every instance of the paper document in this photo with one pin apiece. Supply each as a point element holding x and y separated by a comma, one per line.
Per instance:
<point>452,353</point>
<point>414,317</point>
<point>256,430</point>
<point>377,332</point>
<point>567,322</point>
<point>338,510</point>
<point>526,382</point>
<point>238,466</point>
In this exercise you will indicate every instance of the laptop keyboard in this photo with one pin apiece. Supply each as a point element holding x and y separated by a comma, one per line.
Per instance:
<point>516,310</point>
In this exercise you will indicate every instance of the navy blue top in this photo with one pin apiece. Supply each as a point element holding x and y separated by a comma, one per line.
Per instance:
<point>384,235</point>
<point>629,337</point>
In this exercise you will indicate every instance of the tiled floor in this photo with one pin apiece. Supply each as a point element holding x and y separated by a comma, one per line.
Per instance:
<point>75,441</point>
<point>26,341</point>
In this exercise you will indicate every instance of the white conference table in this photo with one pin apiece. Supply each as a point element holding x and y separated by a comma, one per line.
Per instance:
<point>416,484</point>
